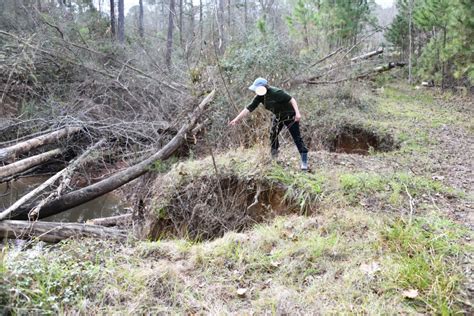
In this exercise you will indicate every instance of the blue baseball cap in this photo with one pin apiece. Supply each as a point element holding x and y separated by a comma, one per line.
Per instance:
<point>259,82</point>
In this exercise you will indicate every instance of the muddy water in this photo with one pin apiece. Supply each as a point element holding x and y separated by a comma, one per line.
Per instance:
<point>107,205</point>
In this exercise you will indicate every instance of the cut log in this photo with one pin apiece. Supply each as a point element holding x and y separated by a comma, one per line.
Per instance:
<point>27,163</point>
<point>95,190</point>
<point>118,220</point>
<point>50,181</point>
<point>26,146</point>
<point>54,232</point>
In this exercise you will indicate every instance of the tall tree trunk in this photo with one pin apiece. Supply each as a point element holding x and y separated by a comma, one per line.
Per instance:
<point>443,65</point>
<point>141,28</point>
<point>180,25</point>
<point>228,15</point>
<point>112,18</point>
<point>169,40</point>
<point>410,36</point>
<point>121,22</point>
<point>246,16</point>
<point>192,22</point>
<point>220,26</point>
<point>201,22</point>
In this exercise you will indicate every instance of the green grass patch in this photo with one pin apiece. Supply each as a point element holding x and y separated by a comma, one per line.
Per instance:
<point>423,256</point>
<point>304,188</point>
<point>393,188</point>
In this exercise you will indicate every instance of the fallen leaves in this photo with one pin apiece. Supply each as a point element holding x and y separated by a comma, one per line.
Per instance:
<point>241,291</point>
<point>412,293</point>
<point>370,268</point>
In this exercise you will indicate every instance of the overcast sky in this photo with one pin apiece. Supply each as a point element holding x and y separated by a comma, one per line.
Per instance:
<point>131,3</point>
<point>384,3</point>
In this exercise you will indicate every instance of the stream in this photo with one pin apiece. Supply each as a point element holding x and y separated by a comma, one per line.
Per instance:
<point>103,206</point>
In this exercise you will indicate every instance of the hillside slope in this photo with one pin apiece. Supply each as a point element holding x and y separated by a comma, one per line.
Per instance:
<point>386,230</point>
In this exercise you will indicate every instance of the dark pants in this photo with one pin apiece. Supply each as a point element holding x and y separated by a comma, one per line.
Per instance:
<point>293,127</point>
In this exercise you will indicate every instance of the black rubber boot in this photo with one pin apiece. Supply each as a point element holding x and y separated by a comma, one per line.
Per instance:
<point>274,154</point>
<point>304,161</point>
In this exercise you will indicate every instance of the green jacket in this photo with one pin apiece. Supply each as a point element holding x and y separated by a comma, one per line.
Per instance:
<point>275,100</point>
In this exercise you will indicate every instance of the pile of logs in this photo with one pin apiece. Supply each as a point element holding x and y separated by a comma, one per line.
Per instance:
<point>20,220</point>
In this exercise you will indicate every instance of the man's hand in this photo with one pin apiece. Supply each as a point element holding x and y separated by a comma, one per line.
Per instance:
<point>233,122</point>
<point>238,117</point>
<point>297,117</point>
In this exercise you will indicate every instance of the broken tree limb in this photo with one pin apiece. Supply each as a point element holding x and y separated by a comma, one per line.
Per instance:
<point>118,220</point>
<point>54,232</point>
<point>291,81</point>
<point>120,178</point>
<point>26,146</point>
<point>373,72</point>
<point>27,163</point>
<point>367,55</point>
<point>68,170</point>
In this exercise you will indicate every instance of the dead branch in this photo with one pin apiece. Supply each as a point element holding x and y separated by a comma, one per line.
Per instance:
<point>26,146</point>
<point>55,232</point>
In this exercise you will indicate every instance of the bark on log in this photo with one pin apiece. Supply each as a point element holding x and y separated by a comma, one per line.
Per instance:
<point>367,55</point>
<point>50,181</point>
<point>54,232</point>
<point>27,163</point>
<point>95,190</point>
<point>118,220</point>
<point>26,146</point>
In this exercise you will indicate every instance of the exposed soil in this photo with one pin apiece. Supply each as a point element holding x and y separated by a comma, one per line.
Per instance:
<point>200,209</point>
<point>357,140</point>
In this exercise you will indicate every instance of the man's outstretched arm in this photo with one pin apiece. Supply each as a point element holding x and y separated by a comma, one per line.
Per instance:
<point>241,115</point>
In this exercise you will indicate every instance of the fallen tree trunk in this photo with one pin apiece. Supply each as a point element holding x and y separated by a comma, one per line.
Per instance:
<point>50,181</point>
<point>374,71</point>
<point>292,81</point>
<point>27,163</point>
<point>95,190</point>
<point>26,146</point>
<point>324,70</point>
<point>118,220</point>
<point>54,232</point>
<point>367,55</point>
